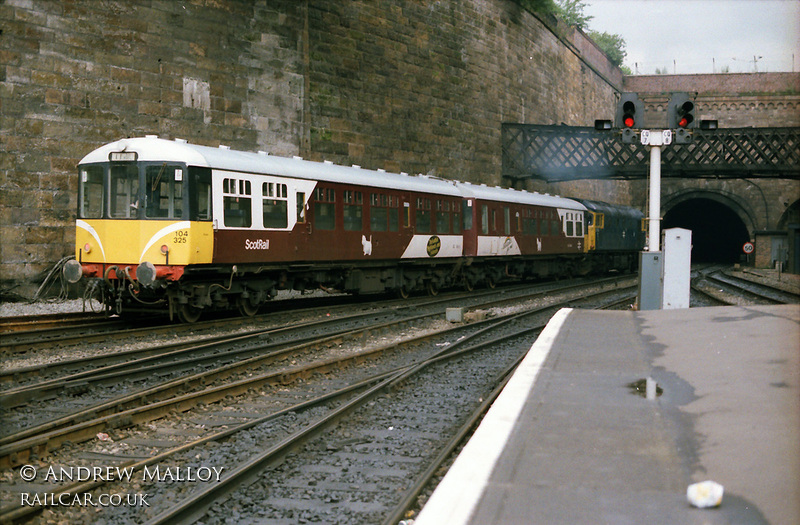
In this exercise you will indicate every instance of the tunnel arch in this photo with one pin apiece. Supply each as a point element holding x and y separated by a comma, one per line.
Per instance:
<point>719,225</point>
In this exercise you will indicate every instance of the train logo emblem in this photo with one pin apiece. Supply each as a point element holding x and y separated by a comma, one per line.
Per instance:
<point>434,245</point>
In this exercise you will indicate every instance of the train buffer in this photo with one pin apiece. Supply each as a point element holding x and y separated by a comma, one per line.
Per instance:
<point>574,438</point>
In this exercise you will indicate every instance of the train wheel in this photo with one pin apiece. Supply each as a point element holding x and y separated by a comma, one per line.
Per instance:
<point>188,313</point>
<point>246,308</point>
<point>468,284</point>
<point>433,289</point>
<point>402,292</point>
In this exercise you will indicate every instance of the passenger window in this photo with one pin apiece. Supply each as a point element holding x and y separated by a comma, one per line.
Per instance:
<point>507,221</point>
<point>485,219</point>
<point>236,202</point>
<point>353,213</point>
<point>442,222</point>
<point>324,209</point>
<point>301,207</point>
<point>91,193</point>
<point>423,216</point>
<point>275,212</point>
<point>466,208</point>
<point>378,213</point>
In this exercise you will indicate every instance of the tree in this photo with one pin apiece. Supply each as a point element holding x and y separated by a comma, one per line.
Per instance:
<point>540,6</point>
<point>571,12</point>
<point>611,45</point>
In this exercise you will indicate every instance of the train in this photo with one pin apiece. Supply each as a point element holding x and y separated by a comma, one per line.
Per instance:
<point>166,224</point>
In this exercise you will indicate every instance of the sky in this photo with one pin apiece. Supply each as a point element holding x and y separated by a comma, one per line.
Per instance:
<point>702,36</point>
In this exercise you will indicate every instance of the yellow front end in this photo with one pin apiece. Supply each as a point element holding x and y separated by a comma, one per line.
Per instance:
<point>131,242</point>
<point>591,233</point>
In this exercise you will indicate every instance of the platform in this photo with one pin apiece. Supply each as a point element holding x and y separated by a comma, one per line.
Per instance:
<point>569,442</point>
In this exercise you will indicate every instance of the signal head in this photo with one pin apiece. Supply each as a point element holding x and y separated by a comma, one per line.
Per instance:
<point>630,111</point>
<point>680,112</point>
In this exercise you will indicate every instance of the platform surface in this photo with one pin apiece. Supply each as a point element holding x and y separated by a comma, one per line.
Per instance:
<point>569,442</point>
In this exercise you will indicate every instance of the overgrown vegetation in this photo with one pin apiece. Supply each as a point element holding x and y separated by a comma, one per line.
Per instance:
<point>572,13</point>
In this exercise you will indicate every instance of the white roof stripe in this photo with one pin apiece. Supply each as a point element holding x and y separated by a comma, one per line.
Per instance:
<point>153,149</point>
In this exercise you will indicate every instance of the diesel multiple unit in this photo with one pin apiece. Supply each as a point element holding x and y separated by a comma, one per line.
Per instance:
<point>192,228</point>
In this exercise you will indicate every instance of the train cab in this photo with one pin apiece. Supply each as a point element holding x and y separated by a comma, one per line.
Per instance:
<point>141,216</point>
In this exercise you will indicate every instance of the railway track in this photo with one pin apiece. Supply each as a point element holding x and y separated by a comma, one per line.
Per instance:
<point>175,405</point>
<point>718,286</point>
<point>172,379</point>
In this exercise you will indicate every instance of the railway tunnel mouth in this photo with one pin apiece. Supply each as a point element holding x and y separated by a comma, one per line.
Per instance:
<point>718,232</point>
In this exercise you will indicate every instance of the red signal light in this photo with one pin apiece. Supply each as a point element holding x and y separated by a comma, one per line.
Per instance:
<point>628,111</point>
<point>685,113</point>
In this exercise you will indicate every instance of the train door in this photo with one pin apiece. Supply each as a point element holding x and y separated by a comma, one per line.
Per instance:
<point>469,231</point>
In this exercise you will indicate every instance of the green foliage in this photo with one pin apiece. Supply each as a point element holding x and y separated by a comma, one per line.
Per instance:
<point>612,45</point>
<point>571,12</point>
<point>543,7</point>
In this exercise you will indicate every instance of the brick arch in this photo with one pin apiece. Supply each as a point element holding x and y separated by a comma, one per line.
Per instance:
<point>735,203</point>
<point>791,215</point>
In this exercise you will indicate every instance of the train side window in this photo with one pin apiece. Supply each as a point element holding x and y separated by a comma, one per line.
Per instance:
<point>466,209</point>
<point>378,213</point>
<point>301,207</point>
<point>600,222</point>
<point>569,224</point>
<point>507,220</point>
<point>394,213</point>
<point>275,211</point>
<point>91,193</point>
<point>442,217</point>
<point>124,190</point>
<point>485,219</point>
<point>353,212</point>
<point>423,215</point>
<point>578,225</point>
<point>324,209</point>
<point>236,203</point>
<point>456,218</point>
<point>163,192</point>
<point>199,194</point>
<point>555,227</point>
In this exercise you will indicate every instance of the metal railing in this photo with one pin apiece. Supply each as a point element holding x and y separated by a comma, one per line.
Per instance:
<point>558,153</point>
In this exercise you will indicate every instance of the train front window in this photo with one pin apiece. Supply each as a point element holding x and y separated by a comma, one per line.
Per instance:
<point>90,192</point>
<point>124,188</point>
<point>163,192</point>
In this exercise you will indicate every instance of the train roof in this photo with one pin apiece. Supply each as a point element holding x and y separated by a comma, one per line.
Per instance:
<point>611,209</point>
<point>496,193</point>
<point>154,149</point>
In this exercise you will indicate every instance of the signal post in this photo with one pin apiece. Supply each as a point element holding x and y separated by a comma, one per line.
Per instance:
<point>680,117</point>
